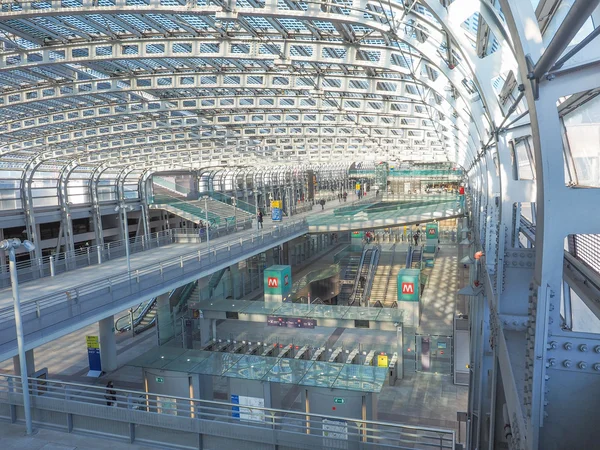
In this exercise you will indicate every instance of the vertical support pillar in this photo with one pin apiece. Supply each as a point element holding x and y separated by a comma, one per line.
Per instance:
<point>165,328</point>
<point>29,358</point>
<point>235,279</point>
<point>108,344</point>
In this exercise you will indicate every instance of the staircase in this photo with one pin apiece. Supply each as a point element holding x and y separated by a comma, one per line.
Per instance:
<point>163,194</point>
<point>218,212</point>
<point>390,295</point>
<point>382,275</point>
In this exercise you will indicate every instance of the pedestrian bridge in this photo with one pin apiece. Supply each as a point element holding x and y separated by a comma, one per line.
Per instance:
<point>389,212</point>
<point>52,307</point>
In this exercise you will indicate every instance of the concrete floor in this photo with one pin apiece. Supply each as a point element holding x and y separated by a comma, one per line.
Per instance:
<point>425,399</point>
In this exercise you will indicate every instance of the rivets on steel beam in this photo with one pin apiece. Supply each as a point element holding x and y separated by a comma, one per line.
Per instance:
<point>582,365</point>
<point>552,345</point>
<point>551,362</point>
<point>568,346</point>
<point>567,363</point>
<point>596,367</point>
<point>583,348</point>
<point>597,348</point>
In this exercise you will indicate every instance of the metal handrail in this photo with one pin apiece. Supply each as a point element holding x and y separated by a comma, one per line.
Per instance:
<point>72,293</point>
<point>371,276</point>
<point>91,250</point>
<point>384,434</point>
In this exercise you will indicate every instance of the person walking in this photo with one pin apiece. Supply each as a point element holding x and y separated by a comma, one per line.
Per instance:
<point>345,196</point>
<point>111,394</point>
<point>340,197</point>
<point>322,203</point>
<point>259,219</point>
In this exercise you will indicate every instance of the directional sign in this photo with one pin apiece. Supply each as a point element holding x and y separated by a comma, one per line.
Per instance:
<point>338,400</point>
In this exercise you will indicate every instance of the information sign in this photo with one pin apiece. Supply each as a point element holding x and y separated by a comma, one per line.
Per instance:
<point>246,409</point>
<point>338,400</point>
<point>382,360</point>
<point>93,348</point>
<point>335,429</point>
<point>291,322</point>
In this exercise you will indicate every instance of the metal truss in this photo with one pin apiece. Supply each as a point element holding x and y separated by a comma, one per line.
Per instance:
<point>250,95</point>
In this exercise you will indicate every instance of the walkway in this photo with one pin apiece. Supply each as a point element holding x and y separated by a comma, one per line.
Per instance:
<point>438,302</point>
<point>393,213</point>
<point>12,437</point>
<point>53,307</point>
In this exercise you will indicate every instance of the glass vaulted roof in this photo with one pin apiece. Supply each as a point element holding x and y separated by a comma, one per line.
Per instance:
<point>158,85</point>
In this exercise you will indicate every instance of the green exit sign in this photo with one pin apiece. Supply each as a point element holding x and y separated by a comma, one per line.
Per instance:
<point>338,400</point>
<point>160,380</point>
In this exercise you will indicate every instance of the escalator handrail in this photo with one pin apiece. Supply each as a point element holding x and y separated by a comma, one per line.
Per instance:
<point>141,314</point>
<point>409,257</point>
<point>126,317</point>
<point>371,274</point>
<point>358,275</point>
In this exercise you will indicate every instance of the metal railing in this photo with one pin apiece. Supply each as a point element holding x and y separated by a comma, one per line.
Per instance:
<point>51,312</point>
<point>84,256</point>
<point>61,404</point>
<point>91,255</point>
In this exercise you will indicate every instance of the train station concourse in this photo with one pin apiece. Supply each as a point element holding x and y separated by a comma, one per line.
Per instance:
<point>300,224</point>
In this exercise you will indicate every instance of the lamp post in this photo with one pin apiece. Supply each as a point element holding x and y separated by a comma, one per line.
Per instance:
<point>205,197</point>
<point>10,245</point>
<point>234,203</point>
<point>124,208</point>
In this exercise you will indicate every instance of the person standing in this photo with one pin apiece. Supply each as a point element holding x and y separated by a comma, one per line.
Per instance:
<point>111,394</point>
<point>322,203</point>
<point>345,196</point>
<point>259,219</point>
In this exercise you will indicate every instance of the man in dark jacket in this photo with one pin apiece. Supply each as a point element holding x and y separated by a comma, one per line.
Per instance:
<point>111,394</point>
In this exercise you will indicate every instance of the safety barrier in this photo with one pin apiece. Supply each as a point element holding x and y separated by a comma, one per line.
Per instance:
<point>84,256</point>
<point>179,422</point>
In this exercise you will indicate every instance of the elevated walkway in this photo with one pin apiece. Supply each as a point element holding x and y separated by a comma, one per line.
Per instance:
<point>55,306</point>
<point>389,212</point>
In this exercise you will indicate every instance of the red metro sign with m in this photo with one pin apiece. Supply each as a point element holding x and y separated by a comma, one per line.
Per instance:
<point>272,282</point>
<point>408,288</point>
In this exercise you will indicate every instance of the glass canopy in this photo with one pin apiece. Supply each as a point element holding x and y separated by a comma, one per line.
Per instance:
<point>352,377</point>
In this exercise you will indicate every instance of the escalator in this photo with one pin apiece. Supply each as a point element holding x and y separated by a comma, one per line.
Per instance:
<point>365,270</point>
<point>365,298</point>
<point>145,314</point>
<point>144,317</point>
<point>348,277</point>
<point>416,258</point>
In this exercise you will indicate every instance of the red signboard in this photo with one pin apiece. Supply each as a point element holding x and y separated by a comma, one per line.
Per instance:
<point>408,288</point>
<point>272,282</point>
